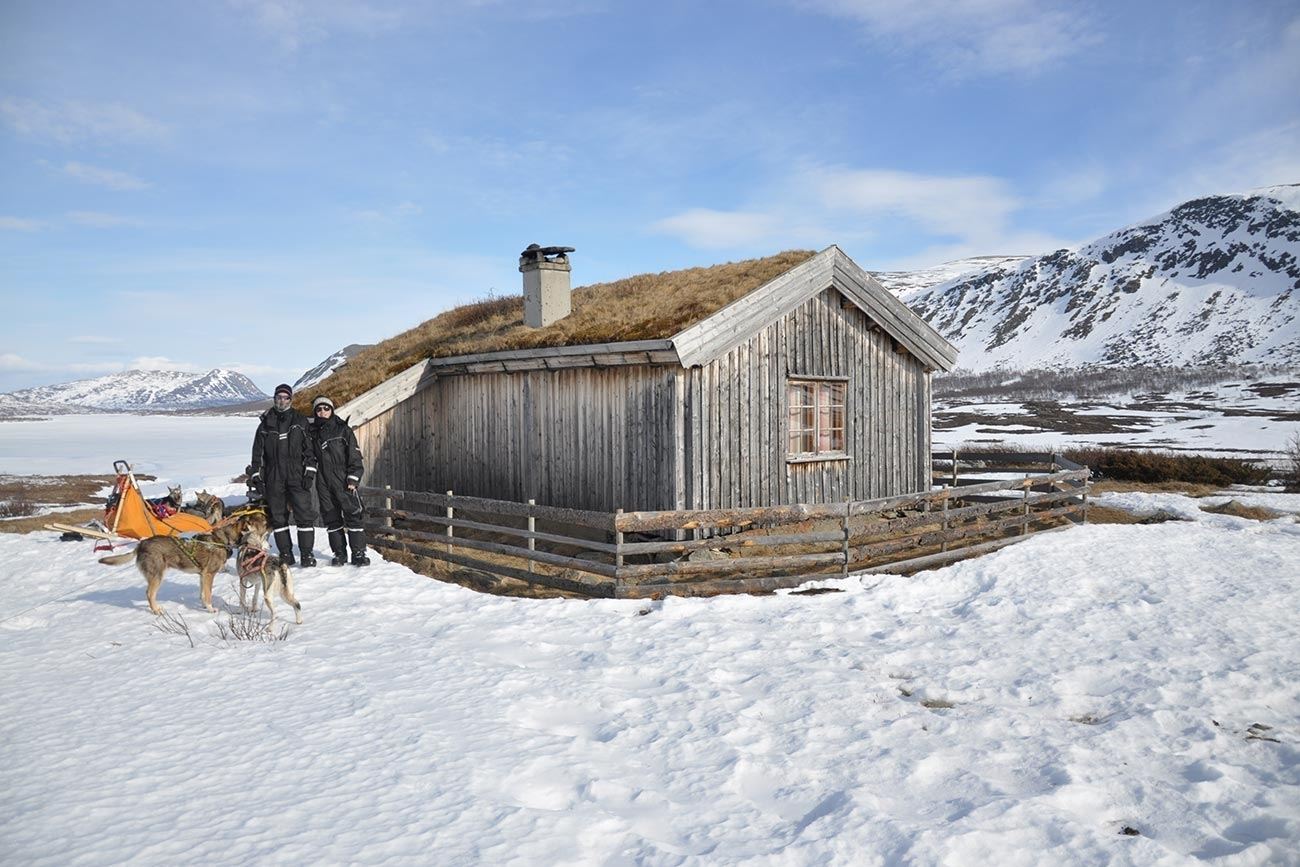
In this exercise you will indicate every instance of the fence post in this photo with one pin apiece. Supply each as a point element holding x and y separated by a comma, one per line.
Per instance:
<point>946,489</point>
<point>388,505</point>
<point>1086,484</point>
<point>845,542</point>
<point>451,514</point>
<point>618,554</point>
<point>954,467</point>
<point>1024,526</point>
<point>532,528</point>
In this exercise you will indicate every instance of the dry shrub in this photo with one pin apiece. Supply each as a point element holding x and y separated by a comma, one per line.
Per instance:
<point>1291,464</point>
<point>645,307</point>
<point>1151,467</point>
<point>17,507</point>
<point>1240,510</point>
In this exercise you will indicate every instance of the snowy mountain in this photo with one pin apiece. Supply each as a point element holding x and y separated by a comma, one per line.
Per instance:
<point>905,283</point>
<point>328,366</point>
<point>1214,281</point>
<point>135,391</point>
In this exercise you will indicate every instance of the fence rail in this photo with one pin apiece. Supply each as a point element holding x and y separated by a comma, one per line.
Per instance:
<point>707,551</point>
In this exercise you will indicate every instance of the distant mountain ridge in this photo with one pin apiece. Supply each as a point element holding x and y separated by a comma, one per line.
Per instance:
<point>907,282</point>
<point>1215,280</point>
<point>329,365</point>
<point>135,391</point>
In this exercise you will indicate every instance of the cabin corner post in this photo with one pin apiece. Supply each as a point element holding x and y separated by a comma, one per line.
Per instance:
<point>388,507</point>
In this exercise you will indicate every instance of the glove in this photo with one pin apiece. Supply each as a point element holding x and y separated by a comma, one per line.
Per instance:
<point>309,478</point>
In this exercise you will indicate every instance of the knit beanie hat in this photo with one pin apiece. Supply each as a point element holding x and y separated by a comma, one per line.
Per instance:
<point>283,388</point>
<point>321,400</point>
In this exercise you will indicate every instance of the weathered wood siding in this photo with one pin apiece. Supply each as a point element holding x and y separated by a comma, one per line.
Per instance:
<point>585,438</point>
<point>644,437</point>
<point>735,414</point>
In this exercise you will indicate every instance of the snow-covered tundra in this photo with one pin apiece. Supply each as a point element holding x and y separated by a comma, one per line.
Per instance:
<point>1107,694</point>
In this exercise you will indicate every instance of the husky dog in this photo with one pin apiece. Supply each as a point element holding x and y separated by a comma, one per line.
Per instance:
<point>255,560</point>
<point>204,554</point>
<point>207,506</point>
<point>168,505</point>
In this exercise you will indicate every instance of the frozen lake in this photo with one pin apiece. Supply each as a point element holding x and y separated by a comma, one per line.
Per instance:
<point>195,452</point>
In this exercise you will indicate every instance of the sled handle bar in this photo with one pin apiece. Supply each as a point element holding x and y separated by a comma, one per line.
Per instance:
<point>119,465</point>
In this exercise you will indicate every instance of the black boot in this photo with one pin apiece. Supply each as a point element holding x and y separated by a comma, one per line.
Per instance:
<point>357,541</point>
<point>284,544</point>
<point>306,540</point>
<point>339,545</point>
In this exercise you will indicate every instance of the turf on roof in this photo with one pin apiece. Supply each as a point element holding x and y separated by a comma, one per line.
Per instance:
<point>644,307</point>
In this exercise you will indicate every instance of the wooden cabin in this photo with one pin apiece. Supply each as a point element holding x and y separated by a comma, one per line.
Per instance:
<point>811,386</point>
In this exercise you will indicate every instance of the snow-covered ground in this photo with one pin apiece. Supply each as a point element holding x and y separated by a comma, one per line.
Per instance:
<point>1101,678</point>
<point>196,452</point>
<point>1105,677</point>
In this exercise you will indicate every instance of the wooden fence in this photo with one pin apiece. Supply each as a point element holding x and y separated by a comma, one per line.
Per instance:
<point>981,501</point>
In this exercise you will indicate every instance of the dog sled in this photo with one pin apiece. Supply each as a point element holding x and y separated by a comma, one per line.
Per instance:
<point>128,515</point>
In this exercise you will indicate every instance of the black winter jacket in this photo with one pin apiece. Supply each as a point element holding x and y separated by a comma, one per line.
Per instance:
<point>337,453</point>
<point>282,450</point>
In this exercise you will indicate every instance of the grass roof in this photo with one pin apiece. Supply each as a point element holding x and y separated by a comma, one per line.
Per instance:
<point>644,307</point>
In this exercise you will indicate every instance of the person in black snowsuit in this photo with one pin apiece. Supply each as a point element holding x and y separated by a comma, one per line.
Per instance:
<point>339,459</point>
<point>284,471</point>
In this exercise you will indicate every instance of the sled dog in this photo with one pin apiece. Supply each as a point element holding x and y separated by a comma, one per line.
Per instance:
<point>207,506</point>
<point>257,563</point>
<point>205,554</point>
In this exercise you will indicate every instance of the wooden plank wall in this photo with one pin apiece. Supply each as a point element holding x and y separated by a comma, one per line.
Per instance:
<point>584,438</point>
<point>735,424</point>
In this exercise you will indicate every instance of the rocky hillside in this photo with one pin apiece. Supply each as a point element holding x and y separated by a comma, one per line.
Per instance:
<point>135,391</point>
<point>1214,281</point>
<point>325,368</point>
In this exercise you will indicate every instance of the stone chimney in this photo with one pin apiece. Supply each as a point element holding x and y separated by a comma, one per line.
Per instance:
<point>547,293</point>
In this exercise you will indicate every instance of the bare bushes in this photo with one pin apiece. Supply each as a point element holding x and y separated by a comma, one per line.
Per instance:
<point>244,625</point>
<point>17,507</point>
<point>1291,464</point>
<point>1092,382</point>
<point>1150,467</point>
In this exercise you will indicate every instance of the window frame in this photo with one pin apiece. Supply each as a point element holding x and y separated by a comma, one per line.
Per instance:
<point>822,388</point>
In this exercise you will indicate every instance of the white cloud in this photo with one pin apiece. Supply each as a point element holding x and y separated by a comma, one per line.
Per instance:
<point>948,205</point>
<point>71,121</point>
<point>20,224</point>
<point>707,228</point>
<point>250,370</point>
<point>295,23</point>
<point>159,362</point>
<point>10,361</point>
<point>972,36</point>
<point>99,220</point>
<point>952,216</point>
<point>110,178</point>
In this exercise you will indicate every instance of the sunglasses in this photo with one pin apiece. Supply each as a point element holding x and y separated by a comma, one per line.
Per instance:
<point>323,408</point>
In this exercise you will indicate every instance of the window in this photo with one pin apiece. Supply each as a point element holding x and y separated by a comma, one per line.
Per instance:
<point>816,416</point>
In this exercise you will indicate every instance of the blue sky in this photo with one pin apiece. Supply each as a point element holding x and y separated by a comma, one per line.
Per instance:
<point>253,184</point>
